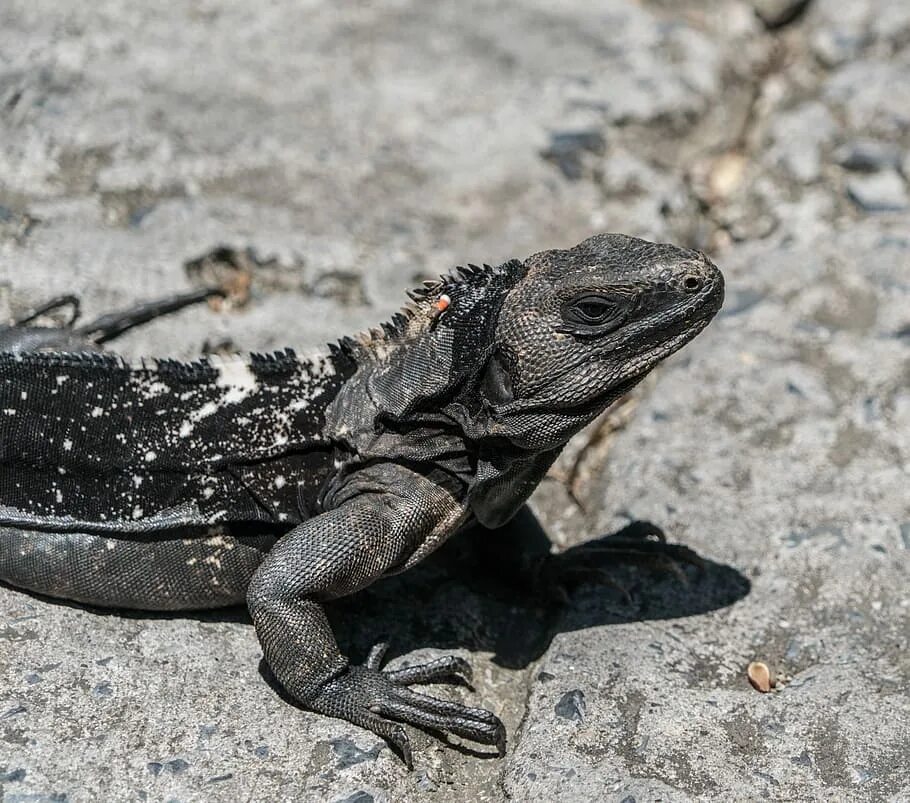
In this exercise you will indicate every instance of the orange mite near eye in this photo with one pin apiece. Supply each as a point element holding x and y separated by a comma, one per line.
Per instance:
<point>442,303</point>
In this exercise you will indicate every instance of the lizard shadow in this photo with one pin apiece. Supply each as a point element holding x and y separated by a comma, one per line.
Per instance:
<point>472,594</point>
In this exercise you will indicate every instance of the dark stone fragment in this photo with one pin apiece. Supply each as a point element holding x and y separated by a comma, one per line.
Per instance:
<point>867,156</point>
<point>777,13</point>
<point>571,706</point>
<point>741,301</point>
<point>357,797</point>
<point>350,754</point>
<point>176,766</point>
<point>15,775</point>
<point>425,783</point>
<point>567,147</point>
<point>803,759</point>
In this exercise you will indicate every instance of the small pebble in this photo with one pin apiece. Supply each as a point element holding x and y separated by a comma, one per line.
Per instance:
<point>776,13</point>
<point>759,676</point>
<point>879,192</point>
<point>868,156</point>
<point>572,706</point>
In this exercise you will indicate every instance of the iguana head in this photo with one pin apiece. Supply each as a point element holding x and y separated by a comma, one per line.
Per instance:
<point>528,352</point>
<point>582,326</point>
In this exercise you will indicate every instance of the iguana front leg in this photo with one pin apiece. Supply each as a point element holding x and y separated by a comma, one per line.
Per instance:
<point>389,518</point>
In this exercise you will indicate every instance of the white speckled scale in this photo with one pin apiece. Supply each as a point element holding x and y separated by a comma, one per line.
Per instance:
<point>89,442</point>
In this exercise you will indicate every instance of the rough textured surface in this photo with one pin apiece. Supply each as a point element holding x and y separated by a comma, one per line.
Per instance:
<point>355,151</point>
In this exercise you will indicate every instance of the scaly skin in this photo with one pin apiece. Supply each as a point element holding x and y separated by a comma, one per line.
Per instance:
<point>294,481</point>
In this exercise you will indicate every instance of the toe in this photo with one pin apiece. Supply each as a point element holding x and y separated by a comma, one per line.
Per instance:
<point>462,724</point>
<point>450,668</point>
<point>374,659</point>
<point>435,705</point>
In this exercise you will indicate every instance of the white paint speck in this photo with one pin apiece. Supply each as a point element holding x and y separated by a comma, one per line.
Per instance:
<point>67,445</point>
<point>321,367</point>
<point>150,456</point>
<point>150,389</point>
<point>280,482</point>
<point>235,376</point>
<point>206,410</point>
<point>97,412</point>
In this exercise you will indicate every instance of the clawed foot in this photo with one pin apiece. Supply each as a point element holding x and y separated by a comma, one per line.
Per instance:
<point>640,542</point>
<point>378,699</point>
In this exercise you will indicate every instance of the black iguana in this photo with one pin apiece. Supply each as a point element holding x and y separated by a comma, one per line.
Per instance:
<point>288,481</point>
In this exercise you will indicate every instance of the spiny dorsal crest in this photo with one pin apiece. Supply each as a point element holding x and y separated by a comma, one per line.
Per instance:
<point>430,302</point>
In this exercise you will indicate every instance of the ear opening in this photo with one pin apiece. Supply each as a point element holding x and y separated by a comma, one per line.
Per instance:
<point>496,385</point>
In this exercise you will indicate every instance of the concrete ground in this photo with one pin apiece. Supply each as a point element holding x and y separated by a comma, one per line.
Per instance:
<point>339,153</point>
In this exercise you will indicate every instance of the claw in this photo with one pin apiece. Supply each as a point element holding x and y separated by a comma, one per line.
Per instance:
<point>399,738</point>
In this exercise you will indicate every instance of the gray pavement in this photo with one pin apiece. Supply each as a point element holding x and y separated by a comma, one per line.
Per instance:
<point>347,151</point>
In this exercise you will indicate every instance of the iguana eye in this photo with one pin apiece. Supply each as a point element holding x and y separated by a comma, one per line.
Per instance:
<point>595,313</point>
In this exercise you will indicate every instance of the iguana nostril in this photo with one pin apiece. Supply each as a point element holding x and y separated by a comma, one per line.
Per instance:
<point>692,283</point>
